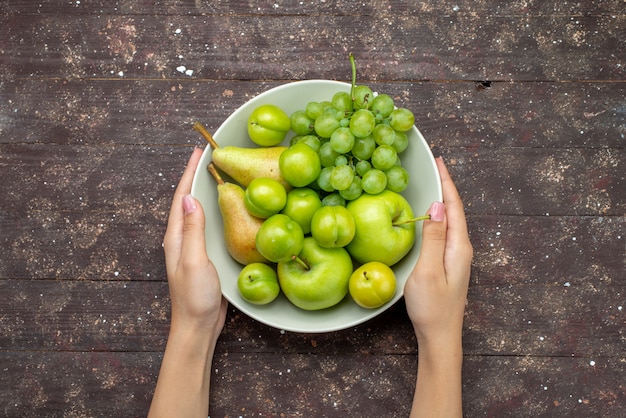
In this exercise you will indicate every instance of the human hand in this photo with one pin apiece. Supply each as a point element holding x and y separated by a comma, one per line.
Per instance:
<point>195,292</point>
<point>198,308</point>
<point>436,291</point>
<point>435,295</point>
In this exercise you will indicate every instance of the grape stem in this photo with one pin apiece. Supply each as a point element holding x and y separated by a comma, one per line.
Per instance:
<point>200,128</point>
<point>408,221</point>
<point>301,262</point>
<point>353,66</point>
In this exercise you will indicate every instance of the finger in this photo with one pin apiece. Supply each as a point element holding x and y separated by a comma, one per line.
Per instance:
<point>430,262</point>
<point>174,233</point>
<point>452,200</point>
<point>458,247</point>
<point>193,251</point>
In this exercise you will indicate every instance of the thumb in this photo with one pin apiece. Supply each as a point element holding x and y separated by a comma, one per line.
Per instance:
<point>434,237</point>
<point>194,245</point>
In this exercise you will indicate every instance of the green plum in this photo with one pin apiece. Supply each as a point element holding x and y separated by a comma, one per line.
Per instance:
<point>302,203</point>
<point>268,125</point>
<point>279,239</point>
<point>258,283</point>
<point>299,165</point>
<point>265,197</point>
<point>372,285</point>
<point>333,226</point>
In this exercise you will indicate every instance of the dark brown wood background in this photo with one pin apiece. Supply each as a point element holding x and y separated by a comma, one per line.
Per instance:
<point>525,100</point>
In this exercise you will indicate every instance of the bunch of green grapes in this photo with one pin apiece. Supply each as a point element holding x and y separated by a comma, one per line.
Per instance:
<point>359,137</point>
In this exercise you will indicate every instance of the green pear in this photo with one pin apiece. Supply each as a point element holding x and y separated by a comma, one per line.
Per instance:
<point>245,164</point>
<point>240,227</point>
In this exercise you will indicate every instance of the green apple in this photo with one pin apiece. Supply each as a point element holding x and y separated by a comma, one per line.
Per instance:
<point>279,238</point>
<point>302,203</point>
<point>268,125</point>
<point>258,283</point>
<point>264,197</point>
<point>318,278</point>
<point>372,285</point>
<point>333,226</point>
<point>384,231</point>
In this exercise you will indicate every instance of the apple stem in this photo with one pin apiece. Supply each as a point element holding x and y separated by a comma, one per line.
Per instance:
<point>216,175</point>
<point>200,128</point>
<point>408,221</point>
<point>300,261</point>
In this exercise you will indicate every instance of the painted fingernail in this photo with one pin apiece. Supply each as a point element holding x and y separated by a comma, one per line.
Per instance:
<point>189,204</point>
<point>437,211</point>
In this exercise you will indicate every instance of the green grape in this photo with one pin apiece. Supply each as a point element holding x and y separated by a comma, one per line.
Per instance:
<point>362,96</point>
<point>314,109</point>
<point>341,160</point>
<point>363,147</point>
<point>397,178</point>
<point>342,102</point>
<point>362,123</point>
<point>323,180</point>
<point>342,140</point>
<point>334,199</point>
<point>324,106</point>
<point>382,105</point>
<point>301,124</point>
<point>374,181</point>
<point>311,140</point>
<point>341,177</point>
<point>353,191</point>
<point>337,114</point>
<point>327,155</point>
<point>384,134</point>
<point>363,167</point>
<point>326,124</point>
<point>401,142</point>
<point>401,119</point>
<point>384,157</point>
<point>358,137</point>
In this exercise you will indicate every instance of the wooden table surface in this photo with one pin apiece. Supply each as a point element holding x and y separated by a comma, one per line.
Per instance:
<point>525,100</point>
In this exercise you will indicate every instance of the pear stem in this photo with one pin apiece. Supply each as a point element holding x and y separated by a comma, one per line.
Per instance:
<point>301,262</point>
<point>200,128</point>
<point>408,221</point>
<point>216,175</point>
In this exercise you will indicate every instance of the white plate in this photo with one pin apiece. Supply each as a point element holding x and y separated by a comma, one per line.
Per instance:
<point>424,188</point>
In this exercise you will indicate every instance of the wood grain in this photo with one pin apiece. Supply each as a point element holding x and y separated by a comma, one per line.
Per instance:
<point>523,99</point>
<point>449,114</point>
<point>121,384</point>
<point>470,46</point>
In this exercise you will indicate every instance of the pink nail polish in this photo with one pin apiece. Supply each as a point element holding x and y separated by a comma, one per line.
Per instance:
<point>437,211</point>
<point>189,204</point>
